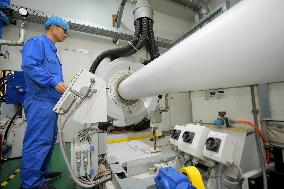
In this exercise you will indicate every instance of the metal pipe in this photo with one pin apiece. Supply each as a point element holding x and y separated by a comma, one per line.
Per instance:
<point>119,13</point>
<point>220,176</point>
<point>198,6</point>
<point>263,101</point>
<point>143,9</point>
<point>119,18</point>
<point>258,142</point>
<point>20,41</point>
<point>224,53</point>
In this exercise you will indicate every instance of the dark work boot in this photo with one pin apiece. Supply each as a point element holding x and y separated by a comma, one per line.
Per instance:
<point>52,176</point>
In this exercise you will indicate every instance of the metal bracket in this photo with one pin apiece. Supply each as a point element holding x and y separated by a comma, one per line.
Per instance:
<point>40,17</point>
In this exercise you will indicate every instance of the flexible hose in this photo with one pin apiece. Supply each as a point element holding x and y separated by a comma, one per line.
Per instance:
<point>81,182</point>
<point>114,53</point>
<point>150,51</point>
<point>11,122</point>
<point>152,40</point>
<point>240,177</point>
<point>261,135</point>
<point>142,39</point>
<point>259,132</point>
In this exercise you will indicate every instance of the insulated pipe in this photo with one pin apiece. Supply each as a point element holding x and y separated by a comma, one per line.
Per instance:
<point>199,6</point>
<point>20,41</point>
<point>243,46</point>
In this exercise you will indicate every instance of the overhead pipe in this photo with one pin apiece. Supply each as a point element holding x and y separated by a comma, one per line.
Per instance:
<point>119,18</point>
<point>119,13</point>
<point>143,9</point>
<point>20,41</point>
<point>198,6</point>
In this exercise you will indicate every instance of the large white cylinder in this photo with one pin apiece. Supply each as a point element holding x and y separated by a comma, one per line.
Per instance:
<point>243,46</point>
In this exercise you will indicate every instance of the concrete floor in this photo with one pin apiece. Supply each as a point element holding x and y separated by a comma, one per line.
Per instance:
<point>124,151</point>
<point>57,164</point>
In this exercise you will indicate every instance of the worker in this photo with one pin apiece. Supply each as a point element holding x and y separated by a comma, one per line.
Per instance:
<point>43,76</point>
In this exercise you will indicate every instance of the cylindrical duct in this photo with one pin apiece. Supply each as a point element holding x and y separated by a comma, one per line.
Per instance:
<point>143,9</point>
<point>199,6</point>
<point>244,46</point>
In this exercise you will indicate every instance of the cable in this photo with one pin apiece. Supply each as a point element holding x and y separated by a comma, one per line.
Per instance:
<point>117,52</point>
<point>240,177</point>
<point>255,127</point>
<point>260,133</point>
<point>81,182</point>
<point>11,122</point>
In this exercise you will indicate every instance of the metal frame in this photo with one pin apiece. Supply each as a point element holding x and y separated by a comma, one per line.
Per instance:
<point>200,24</point>
<point>119,18</point>
<point>264,108</point>
<point>40,17</point>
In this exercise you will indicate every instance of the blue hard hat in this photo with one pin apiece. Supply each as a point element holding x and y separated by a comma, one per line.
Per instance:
<point>56,21</point>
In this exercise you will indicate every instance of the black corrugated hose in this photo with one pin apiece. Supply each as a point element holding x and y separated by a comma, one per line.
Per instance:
<point>11,122</point>
<point>114,53</point>
<point>142,39</point>
<point>144,35</point>
<point>152,41</point>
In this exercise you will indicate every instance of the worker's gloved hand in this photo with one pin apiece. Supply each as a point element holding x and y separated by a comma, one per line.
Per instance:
<point>61,87</point>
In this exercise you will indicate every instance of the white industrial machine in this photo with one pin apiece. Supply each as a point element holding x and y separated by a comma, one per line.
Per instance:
<point>123,112</point>
<point>122,89</point>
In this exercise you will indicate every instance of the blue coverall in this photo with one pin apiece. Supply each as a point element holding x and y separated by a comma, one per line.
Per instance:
<point>42,70</point>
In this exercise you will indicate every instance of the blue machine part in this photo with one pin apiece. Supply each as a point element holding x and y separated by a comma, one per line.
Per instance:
<point>170,178</point>
<point>4,4</point>
<point>218,122</point>
<point>16,88</point>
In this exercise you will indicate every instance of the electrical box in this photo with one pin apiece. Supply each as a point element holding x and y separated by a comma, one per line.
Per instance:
<point>176,135</point>
<point>193,140</point>
<point>16,88</point>
<point>219,147</point>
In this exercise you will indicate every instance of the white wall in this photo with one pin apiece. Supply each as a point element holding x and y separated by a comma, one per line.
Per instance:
<point>237,103</point>
<point>276,100</point>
